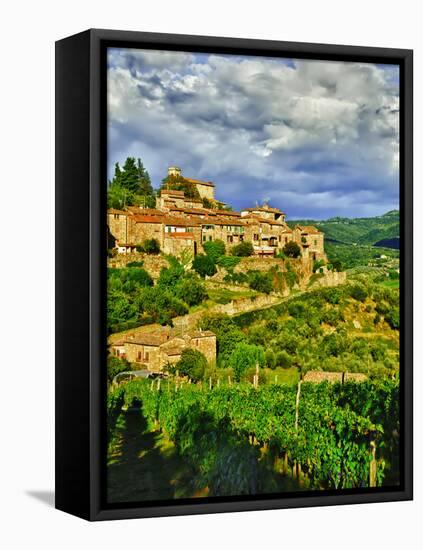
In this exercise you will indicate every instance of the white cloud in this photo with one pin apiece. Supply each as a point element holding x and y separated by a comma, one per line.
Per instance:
<point>297,128</point>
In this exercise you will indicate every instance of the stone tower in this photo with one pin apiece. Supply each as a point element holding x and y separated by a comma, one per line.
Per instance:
<point>174,171</point>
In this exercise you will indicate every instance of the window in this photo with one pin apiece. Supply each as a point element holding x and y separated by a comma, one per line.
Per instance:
<point>255,237</point>
<point>204,238</point>
<point>116,216</point>
<point>139,356</point>
<point>241,238</point>
<point>230,239</point>
<point>315,242</point>
<point>210,238</point>
<point>280,238</point>
<point>286,239</point>
<point>147,356</point>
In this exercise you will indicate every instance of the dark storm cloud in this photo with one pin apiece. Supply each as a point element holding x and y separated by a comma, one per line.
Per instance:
<point>315,138</point>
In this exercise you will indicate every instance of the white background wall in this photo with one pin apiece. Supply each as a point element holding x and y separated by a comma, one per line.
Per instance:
<point>28,32</point>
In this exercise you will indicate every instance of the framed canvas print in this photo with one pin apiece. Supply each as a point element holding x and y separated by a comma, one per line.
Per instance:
<point>234,274</point>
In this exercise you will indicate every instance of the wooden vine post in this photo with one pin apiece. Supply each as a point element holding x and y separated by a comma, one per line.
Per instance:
<point>297,403</point>
<point>256,377</point>
<point>373,466</point>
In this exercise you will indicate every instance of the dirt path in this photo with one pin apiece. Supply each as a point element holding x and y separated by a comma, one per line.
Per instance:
<point>143,466</point>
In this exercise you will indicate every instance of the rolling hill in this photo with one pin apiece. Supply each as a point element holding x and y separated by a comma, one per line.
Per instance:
<point>377,231</point>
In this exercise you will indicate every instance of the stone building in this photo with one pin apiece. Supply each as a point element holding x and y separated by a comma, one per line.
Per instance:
<point>179,223</point>
<point>154,350</point>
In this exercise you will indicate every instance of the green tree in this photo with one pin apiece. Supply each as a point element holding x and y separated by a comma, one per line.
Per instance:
<point>116,365</point>
<point>192,364</point>
<point>144,181</point>
<point>179,183</point>
<point>129,177</point>
<point>119,197</point>
<point>159,305</point>
<point>191,291</point>
<point>214,249</point>
<point>243,249</point>
<point>204,265</point>
<point>292,250</point>
<point>245,356</point>
<point>170,276</point>
<point>261,282</point>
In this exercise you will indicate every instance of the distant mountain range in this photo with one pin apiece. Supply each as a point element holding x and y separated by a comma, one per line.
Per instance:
<point>377,231</point>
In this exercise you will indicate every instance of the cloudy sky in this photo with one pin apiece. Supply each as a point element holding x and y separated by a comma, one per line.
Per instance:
<point>314,138</point>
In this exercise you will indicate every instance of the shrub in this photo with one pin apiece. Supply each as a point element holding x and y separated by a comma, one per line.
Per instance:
<point>317,265</point>
<point>214,249</point>
<point>296,309</point>
<point>204,265</point>
<point>283,359</point>
<point>393,318</point>
<point>270,359</point>
<point>337,265</point>
<point>292,250</point>
<point>358,292</point>
<point>332,295</point>
<point>151,246</point>
<point>138,275</point>
<point>243,249</point>
<point>228,262</point>
<point>135,264</point>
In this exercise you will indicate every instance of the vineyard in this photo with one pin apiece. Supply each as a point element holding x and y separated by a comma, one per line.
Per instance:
<point>244,440</point>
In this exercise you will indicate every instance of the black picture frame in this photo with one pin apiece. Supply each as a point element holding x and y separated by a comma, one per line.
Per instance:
<point>80,270</point>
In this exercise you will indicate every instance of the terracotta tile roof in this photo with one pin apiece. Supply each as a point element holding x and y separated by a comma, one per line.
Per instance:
<point>180,222</point>
<point>227,213</point>
<point>116,211</point>
<point>220,220</point>
<point>139,218</point>
<point>145,211</point>
<point>188,210</point>
<point>201,182</point>
<point>309,229</point>
<point>263,209</point>
<point>174,192</point>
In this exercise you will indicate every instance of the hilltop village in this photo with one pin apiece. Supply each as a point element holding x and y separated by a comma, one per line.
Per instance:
<point>179,223</point>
